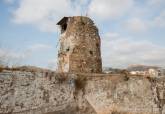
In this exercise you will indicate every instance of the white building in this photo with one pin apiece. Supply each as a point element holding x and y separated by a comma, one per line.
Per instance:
<point>153,72</point>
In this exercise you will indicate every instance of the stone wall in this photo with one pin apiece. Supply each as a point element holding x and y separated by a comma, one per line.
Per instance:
<point>131,95</point>
<point>23,92</point>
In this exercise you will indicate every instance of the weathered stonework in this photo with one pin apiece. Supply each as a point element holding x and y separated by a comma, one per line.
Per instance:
<point>24,92</point>
<point>79,46</point>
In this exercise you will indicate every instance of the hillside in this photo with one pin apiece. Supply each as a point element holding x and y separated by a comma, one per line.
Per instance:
<point>141,67</point>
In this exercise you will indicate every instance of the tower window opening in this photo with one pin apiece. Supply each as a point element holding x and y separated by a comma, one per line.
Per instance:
<point>97,45</point>
<point>67,49</point>
<point>63,28</point>
<point>91,52</point>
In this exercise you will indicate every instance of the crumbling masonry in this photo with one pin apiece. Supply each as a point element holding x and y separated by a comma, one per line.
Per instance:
<point>79,46</point>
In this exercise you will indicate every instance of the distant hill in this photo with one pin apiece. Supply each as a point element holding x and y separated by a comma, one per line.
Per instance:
<point>112,70</point>
<point>141,67</point>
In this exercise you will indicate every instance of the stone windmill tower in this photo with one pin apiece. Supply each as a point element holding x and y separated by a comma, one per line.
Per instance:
<point>79,46</point>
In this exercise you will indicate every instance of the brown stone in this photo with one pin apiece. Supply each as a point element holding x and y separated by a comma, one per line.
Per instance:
<point>79,46</point>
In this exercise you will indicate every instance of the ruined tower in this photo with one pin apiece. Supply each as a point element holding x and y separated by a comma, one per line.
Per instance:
<point>79,46</point>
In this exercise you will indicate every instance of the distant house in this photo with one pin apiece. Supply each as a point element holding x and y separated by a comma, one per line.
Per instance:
<point>138,73</point>
<point>152,71</point>
<point>161,72</point>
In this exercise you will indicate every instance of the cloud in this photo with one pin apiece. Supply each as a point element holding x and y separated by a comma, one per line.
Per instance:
<point>112,35</point>
<point>39,47</point>
<point>14,57</point>
<point>9,57</point>
<point>156,3</point>
<point>52,64</point>
<point>42,13</point>
<point>136,25</point>
<point>45,14</point>
<point>109,9</point>
<point>9,1</point>
<point>142,25</point>
<point>121,52</point>
<point>159,21</point>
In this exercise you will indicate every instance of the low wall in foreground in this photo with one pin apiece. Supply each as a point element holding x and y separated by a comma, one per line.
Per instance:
<point>25,92</point>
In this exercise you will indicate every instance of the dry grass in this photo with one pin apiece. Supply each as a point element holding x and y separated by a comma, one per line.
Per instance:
<point>61,77</point>
<point>80,82</point>
<point>24,68</point>
<point>1,69</point>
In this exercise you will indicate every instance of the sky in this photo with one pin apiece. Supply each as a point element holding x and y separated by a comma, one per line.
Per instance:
<point>131,31</point>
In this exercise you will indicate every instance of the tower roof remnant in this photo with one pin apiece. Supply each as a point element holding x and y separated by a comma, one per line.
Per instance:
<point>63,21</point>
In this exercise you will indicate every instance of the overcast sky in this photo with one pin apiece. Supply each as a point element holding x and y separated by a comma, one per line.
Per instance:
<point>131,31</point>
